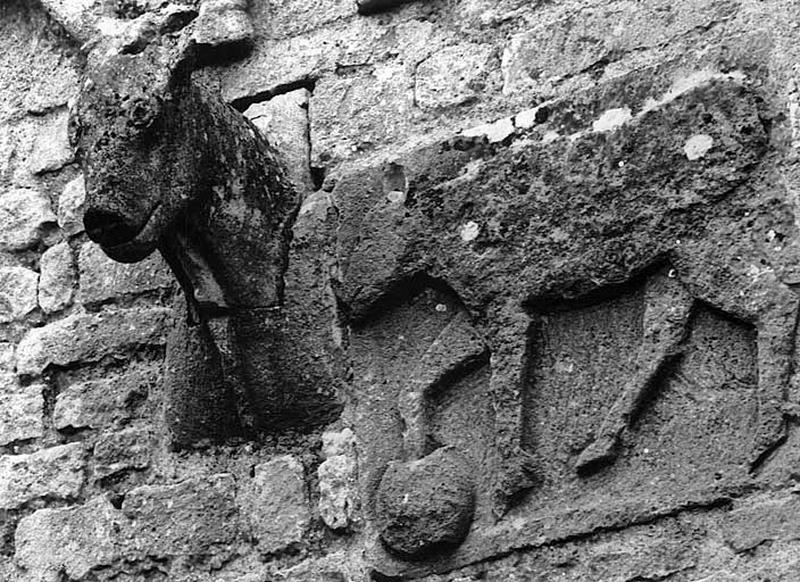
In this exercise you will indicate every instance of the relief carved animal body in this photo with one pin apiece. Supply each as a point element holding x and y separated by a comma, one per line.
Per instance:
<point>526,226</point>
<point>169,166</point>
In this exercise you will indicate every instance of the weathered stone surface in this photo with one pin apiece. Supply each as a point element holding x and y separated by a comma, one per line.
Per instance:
<point>17,293</point>
<point>52,92</point>
<point>23,215</point>
<point>56,278</point>
<point>763,521</point>
<point>81,18</point>
<point>453,75</point>
<point>51,150</point>
<point>6,356</point>
<point>89,337</point>
<point>426,505</point>
<point>191,517</point>
<point>276,504</point>
<point>72,540</point>
<point>21,410</point>
<point>128,449</point>
<point>53,473</point>
<point>103,403</point>
<point>102,279</point>
<point>223,22</point>
<point>70,206</point>
<point>284,121</point>
<point>537,59</point>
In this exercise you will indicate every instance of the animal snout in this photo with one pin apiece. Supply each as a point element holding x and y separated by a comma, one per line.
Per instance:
<point>108,228</point>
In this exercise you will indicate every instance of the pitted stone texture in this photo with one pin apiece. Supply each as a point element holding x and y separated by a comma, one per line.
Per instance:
<point>53,91</point>
<point>453,75</point>
<point>276,504</point>
<point>52,473</point>
<point>21,409</point>
<point>70,206</point>
<point>765,521</point>
<point>79,17</point>
<point>426,505</point>
<point>191,517</point>
<point>56,278</point>
<point>129,449</point>
<point>102,279</point>
<point>72,540</point>
<point>89,337</point>
<point>284,121</point>
<point>103,403</point>
<point>6,356</point>
<point>51,150</point>
<point>223,22</point>
<point>17,293</point>
<point>23,215</point>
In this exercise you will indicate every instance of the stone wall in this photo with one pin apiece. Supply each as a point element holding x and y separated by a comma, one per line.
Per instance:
<point>90,488</point>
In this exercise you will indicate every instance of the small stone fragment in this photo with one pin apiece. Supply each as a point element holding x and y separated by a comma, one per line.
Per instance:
<point>23,215</point>
<point>55,473</point>
<point>89,337</point>
<point>51,150</point>
<point>612,119</point>
<point>337,495</point>
<point>21,410</point>
<point>338,442</point>
<point>102,279</point>
<point>275,501</point>
<point>56,278</point>
<point>426,505</point>
<point>495,132</point>
<point>121,451</point>
<point>17,293</point>
<point>697,146</point>
<point>70,207</point>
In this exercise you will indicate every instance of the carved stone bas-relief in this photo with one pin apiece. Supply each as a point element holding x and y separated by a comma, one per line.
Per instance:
<point>589,289</point>
<point>169,166</point>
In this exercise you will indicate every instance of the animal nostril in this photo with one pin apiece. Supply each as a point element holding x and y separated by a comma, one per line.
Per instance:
<point>107,228</point>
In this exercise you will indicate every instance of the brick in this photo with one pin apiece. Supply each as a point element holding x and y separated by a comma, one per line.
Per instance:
<point>73,540</point>
<point>53,473</point>
<point>86,338</point>
<point>103,403</point>
<point>24,213</point>
<point>453,75</point>
<point>190,517</point>
<point>17,293</point>
<point>21,410</point>
<point>102,279</point>
<point>276,504</point>
<point>51,150</point>
<point>128,449</point>
<point>56,278</point>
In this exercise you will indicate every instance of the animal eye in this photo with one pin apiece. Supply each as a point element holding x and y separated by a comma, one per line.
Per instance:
<point>142,114</point>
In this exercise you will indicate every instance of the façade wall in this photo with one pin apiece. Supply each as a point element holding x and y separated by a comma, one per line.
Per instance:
<point>552,227</point>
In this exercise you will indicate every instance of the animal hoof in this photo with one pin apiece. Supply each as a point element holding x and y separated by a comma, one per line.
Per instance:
<point>426,505</point>
<point>596,456</point>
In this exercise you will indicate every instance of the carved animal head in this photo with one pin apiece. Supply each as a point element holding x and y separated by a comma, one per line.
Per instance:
<point>131,136</point>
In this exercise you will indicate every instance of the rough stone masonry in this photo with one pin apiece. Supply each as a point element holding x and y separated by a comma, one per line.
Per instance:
<point>534,320</point>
